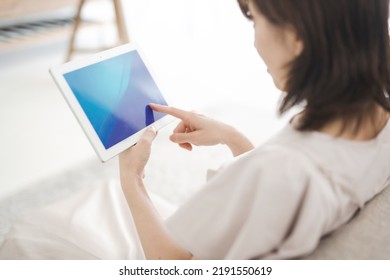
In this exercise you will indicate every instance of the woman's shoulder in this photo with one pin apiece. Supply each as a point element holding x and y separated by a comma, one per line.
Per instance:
<point>325,148</point>
<point>358,167</point>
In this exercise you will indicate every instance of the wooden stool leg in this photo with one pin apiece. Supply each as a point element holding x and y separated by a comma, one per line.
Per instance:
<point>123,37</point>
<point>120,22</point>
<point>75,29</point>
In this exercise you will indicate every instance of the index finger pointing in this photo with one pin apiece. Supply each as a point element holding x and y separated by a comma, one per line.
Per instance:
<point>178,113</point>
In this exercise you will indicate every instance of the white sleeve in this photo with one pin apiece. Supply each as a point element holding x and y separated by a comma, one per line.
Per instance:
<point>266,204</point>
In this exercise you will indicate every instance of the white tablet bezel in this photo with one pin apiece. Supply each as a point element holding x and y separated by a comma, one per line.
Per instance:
<point>58,72</point>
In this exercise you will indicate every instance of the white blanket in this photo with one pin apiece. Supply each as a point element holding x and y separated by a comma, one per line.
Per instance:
<point>92,224</point>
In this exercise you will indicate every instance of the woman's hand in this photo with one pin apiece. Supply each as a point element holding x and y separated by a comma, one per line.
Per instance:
<point>133,160</point>
<point>199,130</point>
<point>156,240</point>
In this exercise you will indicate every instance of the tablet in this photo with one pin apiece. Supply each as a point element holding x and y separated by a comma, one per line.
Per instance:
<point>109,94</point>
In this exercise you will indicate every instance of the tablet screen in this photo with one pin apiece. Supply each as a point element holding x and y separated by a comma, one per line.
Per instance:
<point>114,94</point>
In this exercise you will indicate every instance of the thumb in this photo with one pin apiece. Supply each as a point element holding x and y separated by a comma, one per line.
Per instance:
<point>148,136</point>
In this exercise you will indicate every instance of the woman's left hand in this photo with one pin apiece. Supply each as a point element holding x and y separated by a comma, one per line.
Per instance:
<point>156,241</point>
<point>133,160</point>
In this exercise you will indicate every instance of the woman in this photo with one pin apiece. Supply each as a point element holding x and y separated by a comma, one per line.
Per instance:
<point>277,201</point>
<point>274,201</point>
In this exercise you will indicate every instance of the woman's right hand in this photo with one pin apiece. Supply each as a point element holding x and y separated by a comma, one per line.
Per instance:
<point>199,130</point>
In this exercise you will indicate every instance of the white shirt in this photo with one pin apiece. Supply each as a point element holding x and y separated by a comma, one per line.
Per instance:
<point>279,199</point>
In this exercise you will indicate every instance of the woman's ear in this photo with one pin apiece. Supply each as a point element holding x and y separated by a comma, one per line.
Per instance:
<point>298,47</point>
<point>294,42</point>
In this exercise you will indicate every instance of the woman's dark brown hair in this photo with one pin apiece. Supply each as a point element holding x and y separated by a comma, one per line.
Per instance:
<point>344,68</point>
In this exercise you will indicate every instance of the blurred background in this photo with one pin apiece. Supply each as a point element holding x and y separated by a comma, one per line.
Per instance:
<point>200,50</point>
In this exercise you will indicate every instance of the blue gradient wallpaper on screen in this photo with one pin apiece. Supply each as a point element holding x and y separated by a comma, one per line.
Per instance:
<point>115,94</point>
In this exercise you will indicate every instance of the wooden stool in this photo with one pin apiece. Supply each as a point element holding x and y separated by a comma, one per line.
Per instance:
<point>119,21</point>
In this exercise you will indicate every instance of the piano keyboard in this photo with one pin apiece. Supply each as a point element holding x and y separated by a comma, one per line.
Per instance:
<point>28,33</point>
